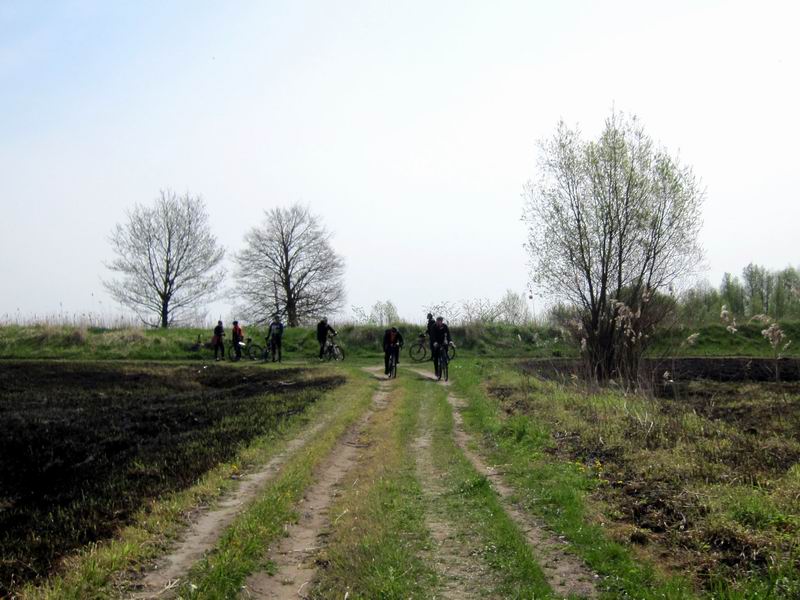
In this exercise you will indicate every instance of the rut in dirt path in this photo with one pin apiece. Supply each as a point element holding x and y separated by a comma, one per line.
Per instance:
<point>208,526</point>
<point>566,573</point>
<point>294,555</point>
<point>462,572</point>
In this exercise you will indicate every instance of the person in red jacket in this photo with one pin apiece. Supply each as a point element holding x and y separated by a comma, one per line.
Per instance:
<point>238,337</point>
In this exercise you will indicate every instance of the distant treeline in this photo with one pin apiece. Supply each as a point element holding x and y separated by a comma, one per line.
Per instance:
<point>758,291</point>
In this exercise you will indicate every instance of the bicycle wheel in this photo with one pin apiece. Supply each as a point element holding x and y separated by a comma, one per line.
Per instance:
<point>417,352</point>
<point>451,353</point>
<point>255,352</point>
<point>337,353</point>
<point>231,353</point>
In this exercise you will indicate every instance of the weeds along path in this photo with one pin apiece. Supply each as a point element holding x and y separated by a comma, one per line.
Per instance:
<point>207,527</point>
<point>567,574</point>
<point>293,558</point>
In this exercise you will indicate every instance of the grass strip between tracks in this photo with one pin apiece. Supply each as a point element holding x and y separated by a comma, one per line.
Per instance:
<point>241,550</point>
<point>474,507</point>
<point>555,491</point>
<point>103,570</point>
<point>379,537</point>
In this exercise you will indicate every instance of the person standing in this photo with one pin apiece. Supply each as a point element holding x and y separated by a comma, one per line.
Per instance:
<point>238,336</point>
<point>216,341</point>
<point>275,337</point>
<point>322,335</point>
<point>392,343</point>
<point>429,331</point>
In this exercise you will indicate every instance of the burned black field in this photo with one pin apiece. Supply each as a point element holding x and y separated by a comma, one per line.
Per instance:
<point>85,445</point>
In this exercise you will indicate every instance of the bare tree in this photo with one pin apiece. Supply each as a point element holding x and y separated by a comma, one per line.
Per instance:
<point>479,310</point>
<point>611,222</point>
<point>289,267</point>
<point>513,309</point>
<point>383,313</point>
<point>168,259</point>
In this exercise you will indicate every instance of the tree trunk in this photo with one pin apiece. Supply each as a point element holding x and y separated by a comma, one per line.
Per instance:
<point>291,312</point>
<point>164,314</point>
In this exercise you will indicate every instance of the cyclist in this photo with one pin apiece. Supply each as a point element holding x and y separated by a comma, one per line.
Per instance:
<point>440,339</point>
<point>392,343</point>
<point>216,341</point>
<point>274,337</point>
<point>238,335</point>
<point>322,334</point>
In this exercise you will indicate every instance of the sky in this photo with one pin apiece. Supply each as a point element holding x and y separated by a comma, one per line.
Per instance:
<point>410,128</point>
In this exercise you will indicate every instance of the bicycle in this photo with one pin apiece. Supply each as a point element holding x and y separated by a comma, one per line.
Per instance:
<point>443,360</point>
<point>393,362</point>
<point>419,350</point>
<point>332,350</point>
<point>248,349</point>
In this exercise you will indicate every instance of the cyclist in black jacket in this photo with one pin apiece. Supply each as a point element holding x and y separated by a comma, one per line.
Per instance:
<point>322,335</point>
<point>440,339</point>
<point>216,341</point>
<point>392,342</point>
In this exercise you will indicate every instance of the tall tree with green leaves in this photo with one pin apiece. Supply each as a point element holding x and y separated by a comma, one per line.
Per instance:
<point>611,223</point>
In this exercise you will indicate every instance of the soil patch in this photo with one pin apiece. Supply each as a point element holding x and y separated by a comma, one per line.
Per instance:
<point>680,369</point>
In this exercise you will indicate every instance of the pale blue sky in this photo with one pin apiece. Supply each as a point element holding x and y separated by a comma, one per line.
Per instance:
<point>409,127</point>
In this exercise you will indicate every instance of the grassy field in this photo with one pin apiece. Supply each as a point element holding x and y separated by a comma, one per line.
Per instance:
<point>499,341</point>
<point>49,341</point>
<point>667,498</point>
<point>691,491</point>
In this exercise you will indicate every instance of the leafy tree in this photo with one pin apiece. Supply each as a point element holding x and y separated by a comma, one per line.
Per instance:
<point>168,259</point>
<point>732,294</point>
<point>289,267</point>
<point>611,222</point>
<point>699,305</point>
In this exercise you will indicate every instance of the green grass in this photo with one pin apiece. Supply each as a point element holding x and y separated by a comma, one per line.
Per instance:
<point>687,478</point>
<point>472,505</point>
<point>52,341</point>
<point>377,544</point>
<point>557,491</point>
<point>715,340</point>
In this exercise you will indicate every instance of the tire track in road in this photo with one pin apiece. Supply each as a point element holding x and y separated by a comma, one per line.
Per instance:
<point>294,555</point>
<point>463,574</point>
<point>209,525</point>
<point>567,574</point>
